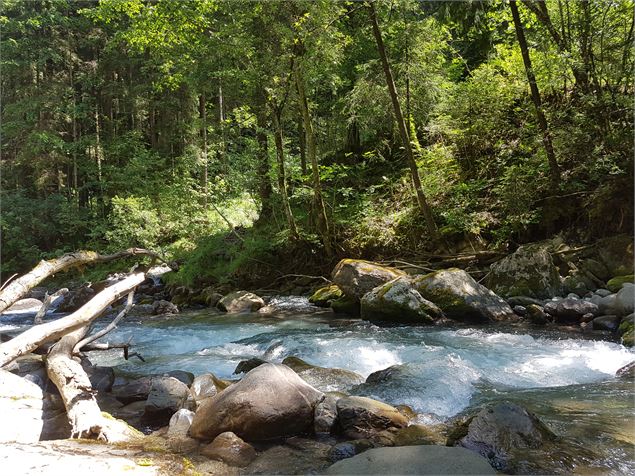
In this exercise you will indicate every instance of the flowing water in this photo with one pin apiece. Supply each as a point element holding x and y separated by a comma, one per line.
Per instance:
<point>568,382</point>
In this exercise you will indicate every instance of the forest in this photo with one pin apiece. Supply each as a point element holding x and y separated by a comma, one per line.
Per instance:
<point>167,124</point>
<point>317,236</point>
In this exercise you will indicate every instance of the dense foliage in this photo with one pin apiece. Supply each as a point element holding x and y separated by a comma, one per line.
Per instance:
<point>167,123</point>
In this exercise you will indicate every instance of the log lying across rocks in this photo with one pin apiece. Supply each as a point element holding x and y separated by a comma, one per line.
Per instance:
<point>17,289</point>
<point>40,334</point>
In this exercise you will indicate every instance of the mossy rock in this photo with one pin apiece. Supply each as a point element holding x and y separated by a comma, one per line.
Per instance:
<point>325,295</point>
<point>356,277</point>
<point>398,301</point>
<point>615,284</point>
<point>346,305</point>
<point>627,330</point>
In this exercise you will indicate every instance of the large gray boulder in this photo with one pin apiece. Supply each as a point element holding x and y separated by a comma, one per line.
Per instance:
<point>529,271</point>
<point>460,297</point>
<point>167,396</point>
<point>240,301</point>
<point>356,277</point>
<point>271,401</point>
<point>398,301</point>
<point>423,459</point>
<point>361,417</point>
<point>323,378</point>
<point>500,433</point>
<point>625,299</point>
<point>28,413</point>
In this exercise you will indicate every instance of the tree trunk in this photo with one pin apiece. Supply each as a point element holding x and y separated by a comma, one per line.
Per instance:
<point>20,287</point>
<point>311,151</point>
<point>32,338</point>
<point>554,170</point>
<point>403,131</point>
<point>302,141</point>
<point>282,179</point>
<point>202,106</point>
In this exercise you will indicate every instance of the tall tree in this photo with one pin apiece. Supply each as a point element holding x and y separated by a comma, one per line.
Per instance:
<point>403,129</point>
<point>554,170</point>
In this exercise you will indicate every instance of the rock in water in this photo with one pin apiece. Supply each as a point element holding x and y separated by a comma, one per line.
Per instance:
<point>240,301</point>
<point>628,371</point>
<point>572,310</point>
<point>424,459</point>
<point>529,271</point>
<point>398,301</point>
<point>460,297</point>
<point>323,378</point>
<point>325,295</point>
<point>230,449</point>
<point>167,395</point>
<point>356,277</point>
<point>361,417</point>
<point>271,401</point>
<point>498,432</point>
<point>164,307</point>
<point>245,366</point>
<point>606,323</point>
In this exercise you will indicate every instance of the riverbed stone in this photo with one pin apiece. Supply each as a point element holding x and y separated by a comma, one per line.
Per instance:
<point>572,310</point>
<point>424,459</point>
<point>460,297</point>
<point>29,414</point>
<point>529,271</point>
<point>625,299</point>
<point>167,395</point>
<point>627,372</point>
<point>133,391</point>
<point>325,415</point>
<point>346,305</point>
<point>325,295</point>
<point>230,449</point>
<point>164,307</point>
<point>615,284</point>
<point>180,423</point>
<point>357,277</point>
<point>500,432</point>
<point>606,323</point>
<point>536,314</point>
<point>271,401</point>
<point>245,366</point>
<point>240,301</point>
<point>362,417</point>
<point>323,378</point>
<point>398,301</point>
<point>203,388</point>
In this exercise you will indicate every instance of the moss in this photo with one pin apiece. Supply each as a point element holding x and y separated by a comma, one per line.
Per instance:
<point>325,295</point>
<point>346,305</point>
<point>615,284</point>
<point>628,339</point>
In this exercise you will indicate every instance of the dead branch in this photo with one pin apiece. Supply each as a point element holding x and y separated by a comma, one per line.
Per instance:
<point>8,281</point>
<point>48,300</point>
<point>20,287</point>
<point>109,327</point>
<point>51,331</point>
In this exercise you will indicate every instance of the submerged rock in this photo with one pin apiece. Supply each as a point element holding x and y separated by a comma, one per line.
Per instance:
<point>357,277</point>
<point>323,378</point>
<point>230,449</point>
<point>271,401</point>
<point>398,301</point>
<point>362,417</point>
<point>425,459</point>
<point>500,432</point>
<point>240,301</point>
<point>529,271</point>
<point>460,297</point>
<point>325,295</point>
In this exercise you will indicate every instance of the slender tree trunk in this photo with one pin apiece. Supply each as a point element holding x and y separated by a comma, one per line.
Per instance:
<point>554,170</point>
<point>403,132</point>
<point>302,141</point>
<point>202,108</point>
<point>282,179</point>
<point>222,153</point>
<point>311,151</point>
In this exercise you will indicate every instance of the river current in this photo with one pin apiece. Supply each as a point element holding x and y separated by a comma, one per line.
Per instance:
<point>567,381</point>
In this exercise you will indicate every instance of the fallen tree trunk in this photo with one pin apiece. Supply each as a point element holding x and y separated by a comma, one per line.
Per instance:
<point>51,331</point>
<point>20,287</point>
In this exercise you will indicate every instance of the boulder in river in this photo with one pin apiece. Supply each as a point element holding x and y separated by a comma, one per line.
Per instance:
<point>460,297</point>
<point>325,295</point>
<point>323,378</point>
<point>398,301</point>
<point>240,301</point>
<point>245,366</point>
<point>616,283</point>
<point>572,310</point>
<point>356,277</point>
<point>628,371</point>
<point>500,433</point>
<point>362,417</point>
<point>203,387</point>
<point>529,271</point>
<point>271,401</point>
<point>167,395</point>
<point>423,459</point>
<point>230,449</point>
<point>164,307</point>
<point>606,323</point>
